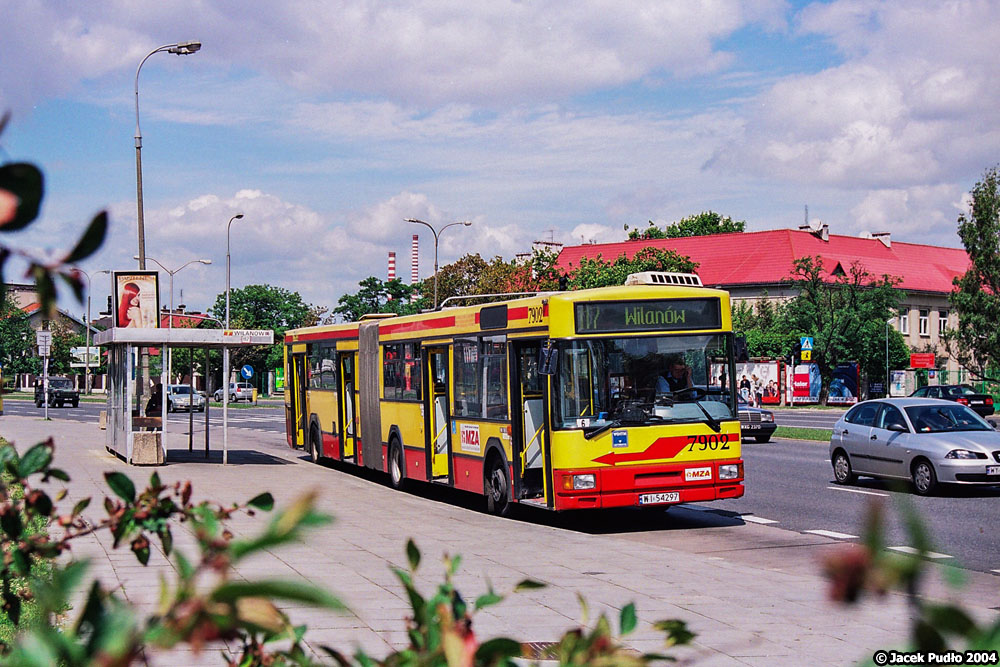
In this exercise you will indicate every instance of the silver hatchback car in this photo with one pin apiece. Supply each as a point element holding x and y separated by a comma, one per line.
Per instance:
<point>928,441</point>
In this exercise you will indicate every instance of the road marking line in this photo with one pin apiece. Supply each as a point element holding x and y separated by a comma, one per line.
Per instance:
<point>834,535</point>
<point>867,493</point>
<point>750,518</point>
<point>915,552</point>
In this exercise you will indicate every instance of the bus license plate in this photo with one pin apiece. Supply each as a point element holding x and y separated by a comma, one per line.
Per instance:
<point>990,470</point>
<point>655,498</point>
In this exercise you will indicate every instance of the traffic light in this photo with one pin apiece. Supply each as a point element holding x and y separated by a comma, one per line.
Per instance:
<point>740,349</point>
<point>110,304</point>
<point>796,352</point>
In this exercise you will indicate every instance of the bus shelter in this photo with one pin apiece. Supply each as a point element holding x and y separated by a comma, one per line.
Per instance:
<point>141,439</point>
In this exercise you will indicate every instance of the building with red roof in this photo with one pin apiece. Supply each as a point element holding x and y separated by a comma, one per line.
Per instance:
<point>754,265</point>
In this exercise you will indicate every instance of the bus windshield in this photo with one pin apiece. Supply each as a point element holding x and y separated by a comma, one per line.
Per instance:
<point>635,381</point>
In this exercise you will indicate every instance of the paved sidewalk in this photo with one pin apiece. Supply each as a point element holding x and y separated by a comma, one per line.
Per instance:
<point>745,612</point>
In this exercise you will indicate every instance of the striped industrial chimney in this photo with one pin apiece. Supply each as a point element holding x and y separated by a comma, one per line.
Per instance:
<point>392,265</point>
<point>415,260</point>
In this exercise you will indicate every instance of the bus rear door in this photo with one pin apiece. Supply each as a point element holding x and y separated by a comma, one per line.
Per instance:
<point>348,408</point>
<point>436,417</point>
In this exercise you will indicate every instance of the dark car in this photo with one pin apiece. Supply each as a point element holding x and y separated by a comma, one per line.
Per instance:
<point>981,404</point>
<point>61,391</point>
<point>756,422</point>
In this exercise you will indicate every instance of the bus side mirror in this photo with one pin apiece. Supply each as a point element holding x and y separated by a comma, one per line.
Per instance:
<point>548,360</point>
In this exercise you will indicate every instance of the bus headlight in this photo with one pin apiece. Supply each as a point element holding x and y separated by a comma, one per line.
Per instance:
<point>580,482</point>
<point>729,471</point>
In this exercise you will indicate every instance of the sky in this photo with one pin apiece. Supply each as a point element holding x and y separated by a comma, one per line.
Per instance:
<point>328,123</point>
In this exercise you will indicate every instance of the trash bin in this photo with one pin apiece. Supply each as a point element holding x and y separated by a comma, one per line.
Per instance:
<point>254,396</point>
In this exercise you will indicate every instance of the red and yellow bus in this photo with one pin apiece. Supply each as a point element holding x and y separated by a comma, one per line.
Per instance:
<point>609,397</point>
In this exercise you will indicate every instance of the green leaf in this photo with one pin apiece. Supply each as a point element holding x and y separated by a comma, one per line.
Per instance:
<point>167,539</point>
<point>628,619</point>
<point>154,481</point>
<point>80,506</point>
<point>22,562</point>
<point>676,631</point>
<point>59,474</point>
<point>121,485</point>
<point>26,182</point>
<point>90,241</point>
<point>496,651</point>
<point>13,605</point>
<point>7,454</point>
<point>273,588</point>
<point>184,567</point>
<point>140,547</point>
<point>528,585</point>
<point>264,502</point>
<point>11,523</point>
<point>950,618</point>
<point>487,600</point>
<point>35,459</point>
<point>412,554</point>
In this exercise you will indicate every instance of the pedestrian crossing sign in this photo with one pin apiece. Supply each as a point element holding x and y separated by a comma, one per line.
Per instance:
<point>807,344</point>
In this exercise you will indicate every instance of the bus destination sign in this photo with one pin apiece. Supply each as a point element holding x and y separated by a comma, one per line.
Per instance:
<point>660,315</point>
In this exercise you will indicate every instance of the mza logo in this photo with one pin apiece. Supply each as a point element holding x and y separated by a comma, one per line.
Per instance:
<point>697,474</point>
<point>470,438</point>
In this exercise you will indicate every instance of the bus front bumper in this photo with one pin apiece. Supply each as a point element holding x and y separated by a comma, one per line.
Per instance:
<point>648,485</point>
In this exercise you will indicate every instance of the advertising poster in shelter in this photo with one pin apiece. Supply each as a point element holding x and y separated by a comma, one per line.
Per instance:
<point>137,299</point>
<point>844,384</point>
<point>806,383</point>
<point>759,382</point>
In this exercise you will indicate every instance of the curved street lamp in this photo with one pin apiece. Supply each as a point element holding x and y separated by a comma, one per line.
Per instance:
<point>86,372</point>
<point>181,49</point>
<point>437,233</point>
<point>225,356</point>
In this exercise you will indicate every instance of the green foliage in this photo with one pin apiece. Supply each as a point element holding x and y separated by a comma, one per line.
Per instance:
<point>17,339</point>
<point>261,307</point>
<point>975,342</point>
<point>845,313</point>
<point>376,296</point>
<point>702,224</point>
<point>598,272</point>
<point>857,570</point>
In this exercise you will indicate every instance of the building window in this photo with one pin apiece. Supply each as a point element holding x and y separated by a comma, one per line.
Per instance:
<point>904,323</point>
<point>925,323</point>
<point>942,321</point>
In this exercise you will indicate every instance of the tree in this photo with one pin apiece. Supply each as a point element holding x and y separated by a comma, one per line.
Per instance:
<point>17,339</point>
<point>975,342</point>
<point>845,316</point>
<point>264,307</point>
<point>763,325</point>
<point>702,224</point>
<point>376,296</point>
<point>598,272</point>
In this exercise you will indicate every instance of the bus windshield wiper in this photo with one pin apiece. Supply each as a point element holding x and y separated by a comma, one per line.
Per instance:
<point>713,423</point>
<point>601,429</point>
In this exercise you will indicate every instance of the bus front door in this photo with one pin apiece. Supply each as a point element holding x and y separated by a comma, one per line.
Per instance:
<point>347,410</point>
<point>298,398</point>
<point>436,412</point>
<point>530,425</point>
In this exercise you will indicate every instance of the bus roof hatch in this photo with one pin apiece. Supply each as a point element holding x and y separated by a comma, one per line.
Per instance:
<point>664,278</point>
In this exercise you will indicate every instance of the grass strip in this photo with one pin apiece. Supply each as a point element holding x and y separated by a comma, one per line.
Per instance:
<point>800,433</point>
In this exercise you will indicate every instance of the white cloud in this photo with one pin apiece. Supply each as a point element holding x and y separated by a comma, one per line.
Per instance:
<point>923,214</point>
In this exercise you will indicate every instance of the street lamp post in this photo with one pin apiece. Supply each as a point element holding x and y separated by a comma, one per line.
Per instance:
<point>437,233</point>
<point>181,49</point>
<point>225,355</point>
<point>170,317</point>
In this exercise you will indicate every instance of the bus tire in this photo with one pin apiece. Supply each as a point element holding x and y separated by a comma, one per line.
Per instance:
<point>397,466</point>
<point>314,443</point>
<point>496,486</point>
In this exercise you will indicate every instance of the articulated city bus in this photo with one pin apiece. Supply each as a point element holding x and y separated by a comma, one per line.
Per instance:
<point>609,397</point>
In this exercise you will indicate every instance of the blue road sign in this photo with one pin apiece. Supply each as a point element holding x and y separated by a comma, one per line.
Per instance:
<point>247,372</point>
<point>807,343</point>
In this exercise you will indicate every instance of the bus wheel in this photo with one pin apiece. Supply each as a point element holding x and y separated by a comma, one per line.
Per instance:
<point>314,443</point>
<point>397,466</point>
<point>497,488</point>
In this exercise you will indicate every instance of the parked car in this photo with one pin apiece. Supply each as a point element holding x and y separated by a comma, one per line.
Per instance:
<point>960,393</point>
<point>61,391</point>
<point>756,422</point>
<point>926,440</point>
<point>183,397</point>
<point>238,391</point>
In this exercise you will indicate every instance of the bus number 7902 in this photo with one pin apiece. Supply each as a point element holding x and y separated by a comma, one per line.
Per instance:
<point>699,443</point>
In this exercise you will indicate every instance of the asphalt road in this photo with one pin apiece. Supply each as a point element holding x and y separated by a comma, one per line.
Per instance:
<point>789,486</point>
<point>806,418</point>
